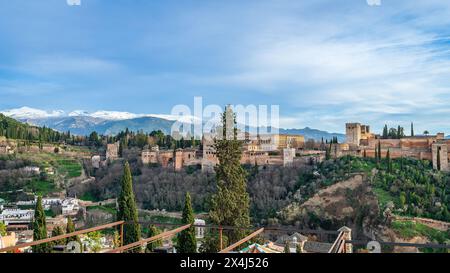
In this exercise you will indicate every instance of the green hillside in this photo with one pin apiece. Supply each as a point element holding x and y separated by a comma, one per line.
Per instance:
<point>13,129</point>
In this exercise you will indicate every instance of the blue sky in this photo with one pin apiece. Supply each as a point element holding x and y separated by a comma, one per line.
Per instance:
<point>324,62</point>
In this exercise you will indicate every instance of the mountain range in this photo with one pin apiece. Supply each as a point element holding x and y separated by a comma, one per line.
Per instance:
<point>112,122</point>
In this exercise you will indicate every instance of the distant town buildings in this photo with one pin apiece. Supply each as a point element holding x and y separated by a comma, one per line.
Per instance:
<point>67,206</point>
<point>16,216</point>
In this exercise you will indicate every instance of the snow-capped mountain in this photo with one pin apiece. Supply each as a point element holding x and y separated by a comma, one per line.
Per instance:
<point>82,122</point>
<point>31,113</point>
<point>28,113</point>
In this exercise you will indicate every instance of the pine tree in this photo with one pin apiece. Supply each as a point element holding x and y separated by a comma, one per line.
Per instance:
<point>187,242</point>
<point>127,210</point>
<point>153,231</point>
<point>230,204</point>
<point>39,228</point>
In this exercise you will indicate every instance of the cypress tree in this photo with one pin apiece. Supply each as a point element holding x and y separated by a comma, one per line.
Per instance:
<point>438,161</point>
<point>376,154</point>
<point>328,153</point>
<point>389,162</point>
<point>153,231</point>
<point>287,248</point>
<point>379,151</point>
<point>39,228</point>
<point>385,132</point>
<point>58,230</point>
<point>298,248</point>
<point>230,204</point>
<point>187,242</point>
<point>412,129</point>
<point>127,210</point>
<point>69,229</point>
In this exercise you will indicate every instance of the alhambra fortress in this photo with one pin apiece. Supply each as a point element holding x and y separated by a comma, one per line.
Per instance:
<point>287,150</point>
<point>428,147</point>
<point>271,149</point>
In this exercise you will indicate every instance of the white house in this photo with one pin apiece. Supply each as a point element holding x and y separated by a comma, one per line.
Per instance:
<point>16,216</point>
<point>70,206</point>
<point>199,231</point>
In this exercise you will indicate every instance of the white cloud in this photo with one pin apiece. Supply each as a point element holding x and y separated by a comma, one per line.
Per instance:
<point>367,64</point>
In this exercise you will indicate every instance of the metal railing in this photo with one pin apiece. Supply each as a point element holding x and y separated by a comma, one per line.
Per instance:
<point>64,236</point>
<point>148,240</point>
<point>240,242</point>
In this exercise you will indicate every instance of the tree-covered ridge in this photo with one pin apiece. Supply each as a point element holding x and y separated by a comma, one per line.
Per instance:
<point>140,139</point>
<point>415,189</point>
<point>13,129</point>
<point>410,187</point>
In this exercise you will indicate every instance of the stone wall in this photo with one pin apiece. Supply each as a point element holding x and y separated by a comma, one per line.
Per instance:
<point>353,133</point>
<point>112,151</point>
<point>440,157</point>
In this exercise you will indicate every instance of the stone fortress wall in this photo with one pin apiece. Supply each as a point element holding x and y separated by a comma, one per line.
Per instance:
<point>360,140</point>
<point>261,151</point>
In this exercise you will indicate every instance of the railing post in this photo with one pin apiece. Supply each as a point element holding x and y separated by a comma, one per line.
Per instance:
<point>347,236</point>
<point>121,234</point>
<point>220,238</point>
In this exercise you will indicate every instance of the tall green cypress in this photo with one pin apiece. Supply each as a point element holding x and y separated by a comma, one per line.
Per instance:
<point>127,210</point>
<point>412,129</point>
<point>187,242</point>
<point>438,161</point>
<point>230,204</point>
<point>69,229</point>
<point>328,153</point>
<point>379,151</point>
<point>385,132</point>
<point>39,228</point>
<point>389,161</point>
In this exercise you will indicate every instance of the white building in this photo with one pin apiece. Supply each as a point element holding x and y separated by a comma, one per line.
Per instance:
<point>47,203</point>
<point>96,161</point>
<point>199,231</point>
<point>16,216</point>
<point>70,206</point>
